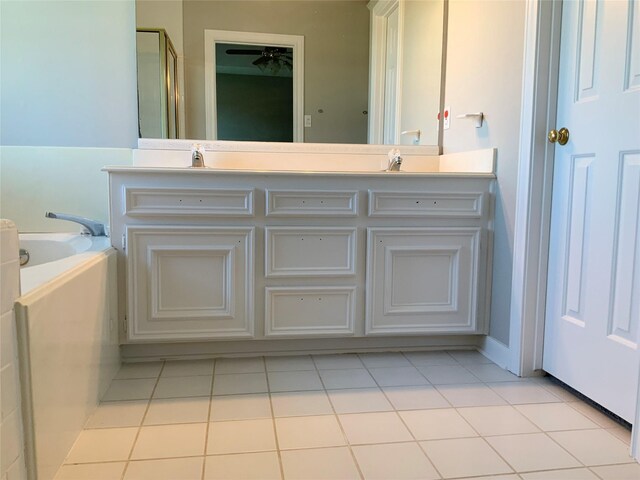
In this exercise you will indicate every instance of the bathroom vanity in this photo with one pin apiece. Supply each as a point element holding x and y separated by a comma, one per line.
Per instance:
<point>224,254</point>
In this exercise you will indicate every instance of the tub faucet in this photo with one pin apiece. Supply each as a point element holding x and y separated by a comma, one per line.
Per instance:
<point>197,156</point>
<point>96,229</point>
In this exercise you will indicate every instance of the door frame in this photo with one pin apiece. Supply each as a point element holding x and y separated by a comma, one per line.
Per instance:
<point>295,42</point>
<point>379,18</point>
<point>534,187</point>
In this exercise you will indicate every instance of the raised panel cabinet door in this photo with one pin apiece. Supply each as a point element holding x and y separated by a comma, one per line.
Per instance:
<point>189,283</point>
<point>422,280</point>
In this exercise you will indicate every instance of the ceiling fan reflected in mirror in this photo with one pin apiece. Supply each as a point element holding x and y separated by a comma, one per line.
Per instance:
<point>271,59</point>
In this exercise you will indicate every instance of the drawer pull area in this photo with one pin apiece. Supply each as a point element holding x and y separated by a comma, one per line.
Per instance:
<point>296,203</point>
<point>142,202</point>
<point>425,204</point>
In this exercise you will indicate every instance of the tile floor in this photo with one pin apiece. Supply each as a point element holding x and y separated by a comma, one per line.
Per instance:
<point>422,415</point>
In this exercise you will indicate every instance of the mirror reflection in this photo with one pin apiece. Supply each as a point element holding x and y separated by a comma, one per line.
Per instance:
<point>318,71</point>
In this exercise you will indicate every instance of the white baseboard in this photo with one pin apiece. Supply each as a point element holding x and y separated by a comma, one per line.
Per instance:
<point>495,351</point>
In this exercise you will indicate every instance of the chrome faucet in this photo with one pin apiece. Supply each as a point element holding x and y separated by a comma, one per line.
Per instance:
<point>395,161</point>
<point>197,156</point>
<point>95,229</point>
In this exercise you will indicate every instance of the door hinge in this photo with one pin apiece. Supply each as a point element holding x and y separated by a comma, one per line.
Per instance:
<point>125,325</point>
<point>124,242</point>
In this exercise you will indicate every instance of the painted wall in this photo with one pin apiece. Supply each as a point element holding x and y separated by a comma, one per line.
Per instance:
<point>263,116</point>
<point>336,53</point>
<point>484,74</point>
<point>35,180</point>
<point>68,73</point>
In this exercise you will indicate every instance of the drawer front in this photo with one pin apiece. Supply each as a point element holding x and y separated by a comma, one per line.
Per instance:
<point>142,201</point>
<point>310,251</point>
<point>296,203</point>
<point>313,311</point>
<point>425,204</point>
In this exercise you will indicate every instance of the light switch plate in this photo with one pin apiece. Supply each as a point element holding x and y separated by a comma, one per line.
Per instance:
<point>307,120</point>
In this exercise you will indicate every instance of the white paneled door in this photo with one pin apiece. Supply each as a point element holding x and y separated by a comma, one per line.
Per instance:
<point>592,326</point>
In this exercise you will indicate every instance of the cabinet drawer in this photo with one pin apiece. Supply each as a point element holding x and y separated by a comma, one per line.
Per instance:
<point>309,251</point>
<point>309,311</point>
<point>295,203</point>
<point>142,202</point>
<point>425,204</point>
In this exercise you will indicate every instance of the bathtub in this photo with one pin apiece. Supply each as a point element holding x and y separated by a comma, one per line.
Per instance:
<point>66,320</point>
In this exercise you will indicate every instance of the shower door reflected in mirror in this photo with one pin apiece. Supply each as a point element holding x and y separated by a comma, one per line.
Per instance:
<point>157,84</point>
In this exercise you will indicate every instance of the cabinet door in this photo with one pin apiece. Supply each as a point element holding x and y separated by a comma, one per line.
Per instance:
<point>422,280</point>
<point>189,283</point>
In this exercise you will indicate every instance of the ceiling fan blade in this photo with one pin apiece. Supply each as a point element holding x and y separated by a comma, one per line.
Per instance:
<point>260,61</point>
<point>234,51</point>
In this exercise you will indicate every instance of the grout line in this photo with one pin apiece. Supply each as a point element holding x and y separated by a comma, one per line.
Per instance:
<point>206,430</point>
<point>273,420</point>
<point>144,415</point>
<point>337,418</point>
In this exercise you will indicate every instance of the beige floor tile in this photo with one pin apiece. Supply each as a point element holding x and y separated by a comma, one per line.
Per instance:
<point>241,436</point>
<point>181,368</point>
<point>437,424</point>
<point>191,386</point>
<point>570,474</point>
<point>296,404</point>
<point>512,476</point>
<point>118,414</point>
<point>343,360</point>
<point>558,390</point>
<point>593,414</point>
<point>240,407</point>
<point>319,464</point>
<point>466,357</point>
<point>396,461</point>
<point>168,469</point>
<point>246,466</point>
<point>239,365</point>
<point>621,433</point>
<point>555,416</point>
<point>359,400</point>
<point>593,447</point>
<point>294,381</point>
<point>135,389</point>
<point>289,364</point>
<point>177,410</point>
<point>309,432</point>
<point>498,420</point>
<point>365,428</point>
<point>165,441</point>
<point>533,451</point>
<point>102,445</point>
<point>464,457</point>
<point>415,398</point>
<point>470,395</point>
<point>448,374</point>
<point>398,376</point>
<point>489,372</point>
<point>384,359</point>
<point>92,471</point>
<point>629,471</point>
<point>517,393</point>
<point>139,370</point>
<point>347,378</point>
<point>239,383</point>
<point>430,358</point>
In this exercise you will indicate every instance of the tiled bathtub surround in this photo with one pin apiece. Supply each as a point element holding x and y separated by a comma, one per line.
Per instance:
<point>11,445</point>
<point>426,415</point>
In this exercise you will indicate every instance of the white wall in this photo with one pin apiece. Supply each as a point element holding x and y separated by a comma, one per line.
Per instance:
<point>484,73</point>
<point>12,466</point>
<point>68,73</point>
<point>35,180</point>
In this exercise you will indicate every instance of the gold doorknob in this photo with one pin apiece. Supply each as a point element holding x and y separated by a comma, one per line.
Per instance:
<point>561,136</point>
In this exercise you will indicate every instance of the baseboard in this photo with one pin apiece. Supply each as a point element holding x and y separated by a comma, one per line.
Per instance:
<point>495,351</point>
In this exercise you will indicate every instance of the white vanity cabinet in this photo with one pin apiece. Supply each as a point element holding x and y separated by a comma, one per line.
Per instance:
<point>211,254</point>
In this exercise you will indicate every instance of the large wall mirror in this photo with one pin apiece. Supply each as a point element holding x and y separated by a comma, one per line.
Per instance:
<point>314,71</point>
